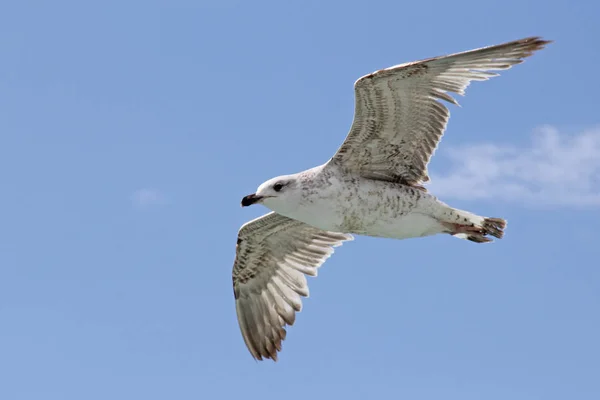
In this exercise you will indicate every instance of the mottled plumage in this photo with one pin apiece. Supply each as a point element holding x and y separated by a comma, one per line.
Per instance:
<point>372,186</point>
<point>268,297</point>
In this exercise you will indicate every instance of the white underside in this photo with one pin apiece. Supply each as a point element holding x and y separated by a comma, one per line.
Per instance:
<point>374,208</point>
<point>372,217</point>
<point>408,226</point>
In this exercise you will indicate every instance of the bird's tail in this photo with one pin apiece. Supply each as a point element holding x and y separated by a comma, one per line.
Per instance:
<point>468,226</point>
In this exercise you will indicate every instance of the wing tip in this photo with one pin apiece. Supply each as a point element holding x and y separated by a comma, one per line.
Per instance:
<point>539,41</point>
<point>529,46</point>
<point>260,348</point>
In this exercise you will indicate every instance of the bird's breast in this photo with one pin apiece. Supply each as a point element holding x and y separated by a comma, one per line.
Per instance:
<point>357,205</point>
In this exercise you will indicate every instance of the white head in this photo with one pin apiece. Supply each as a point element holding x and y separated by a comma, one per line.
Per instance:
<point>281,194</point>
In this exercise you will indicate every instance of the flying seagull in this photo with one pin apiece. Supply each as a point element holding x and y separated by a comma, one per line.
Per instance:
<point>372,186</point>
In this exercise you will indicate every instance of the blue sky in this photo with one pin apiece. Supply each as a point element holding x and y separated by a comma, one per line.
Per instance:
<point>131,130</point>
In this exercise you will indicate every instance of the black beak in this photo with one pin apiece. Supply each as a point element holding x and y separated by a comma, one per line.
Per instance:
<point>250,199</point>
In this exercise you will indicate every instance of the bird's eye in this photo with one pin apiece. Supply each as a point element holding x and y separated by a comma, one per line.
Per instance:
<point>277,187</point>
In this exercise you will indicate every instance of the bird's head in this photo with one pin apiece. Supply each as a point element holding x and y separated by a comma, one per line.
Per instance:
<point>279,194</point>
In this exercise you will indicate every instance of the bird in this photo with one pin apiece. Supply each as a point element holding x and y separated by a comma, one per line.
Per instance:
<point>374,185</point>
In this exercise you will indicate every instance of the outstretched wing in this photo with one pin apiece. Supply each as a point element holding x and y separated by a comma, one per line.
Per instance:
<point>273,253</point>
<point>398,118</point>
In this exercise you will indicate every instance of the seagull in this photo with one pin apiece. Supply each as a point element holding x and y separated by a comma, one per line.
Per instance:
<point>373,186</point>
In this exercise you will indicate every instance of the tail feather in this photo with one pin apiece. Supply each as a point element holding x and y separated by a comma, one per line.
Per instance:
<point>494,227</point>
<point>479,229</point>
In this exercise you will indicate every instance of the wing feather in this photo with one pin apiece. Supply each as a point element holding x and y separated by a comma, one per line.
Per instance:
<point>398,118</point>
<point>273,256</point>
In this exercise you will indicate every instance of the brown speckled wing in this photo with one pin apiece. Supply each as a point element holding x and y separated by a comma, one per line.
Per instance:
<point>398,118</point>
<point>273,254</point>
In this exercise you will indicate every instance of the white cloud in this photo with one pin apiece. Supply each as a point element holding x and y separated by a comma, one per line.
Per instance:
<point>556,169</point>
<point>147,197</point>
